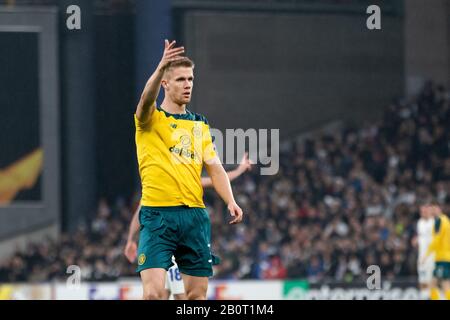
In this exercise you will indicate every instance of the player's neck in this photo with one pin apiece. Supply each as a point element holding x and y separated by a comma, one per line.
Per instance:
<point>173,108</point>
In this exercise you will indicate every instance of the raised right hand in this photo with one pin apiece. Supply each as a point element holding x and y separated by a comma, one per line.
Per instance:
<point>171,53</point>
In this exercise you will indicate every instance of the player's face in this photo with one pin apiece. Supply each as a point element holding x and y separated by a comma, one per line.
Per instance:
<point>424,212</point>
<point>179,85</point>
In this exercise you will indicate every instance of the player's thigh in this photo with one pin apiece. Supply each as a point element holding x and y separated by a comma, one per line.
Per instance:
<point>445,284</point>
<point>153,282</point>
<point>435,283</point>
<point>195,287</point>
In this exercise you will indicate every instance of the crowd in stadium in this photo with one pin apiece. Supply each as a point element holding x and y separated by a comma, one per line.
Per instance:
<point>342,201</point>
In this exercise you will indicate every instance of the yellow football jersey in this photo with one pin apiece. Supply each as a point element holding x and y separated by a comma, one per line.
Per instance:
<point>441,239</point>
<point>171,150</point>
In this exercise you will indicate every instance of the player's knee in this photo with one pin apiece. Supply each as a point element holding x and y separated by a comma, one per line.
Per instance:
<point>153,295</point>
<point>196,294</point>
<point>180,296</point>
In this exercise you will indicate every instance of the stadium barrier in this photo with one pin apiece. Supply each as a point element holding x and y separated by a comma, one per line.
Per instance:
<point>218,290</point>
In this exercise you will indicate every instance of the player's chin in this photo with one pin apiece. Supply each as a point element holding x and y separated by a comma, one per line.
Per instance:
<point>186,97</point>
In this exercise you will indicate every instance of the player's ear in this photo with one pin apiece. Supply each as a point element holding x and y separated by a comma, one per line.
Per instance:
<point>165,84</point>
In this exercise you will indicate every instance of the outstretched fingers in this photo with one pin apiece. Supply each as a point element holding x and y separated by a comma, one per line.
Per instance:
<point>169,45</point>
<point>175,51</point>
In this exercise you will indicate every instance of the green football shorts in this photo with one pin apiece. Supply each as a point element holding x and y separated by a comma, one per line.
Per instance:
<point>442,270</point>
<point>182,232</point>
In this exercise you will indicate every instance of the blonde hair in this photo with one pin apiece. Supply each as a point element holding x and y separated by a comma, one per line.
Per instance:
<point>184,62</point>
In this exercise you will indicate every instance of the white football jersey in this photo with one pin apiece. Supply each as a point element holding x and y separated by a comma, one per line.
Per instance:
<point>424,235</point>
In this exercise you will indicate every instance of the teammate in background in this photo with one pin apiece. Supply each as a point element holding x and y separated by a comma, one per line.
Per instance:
<point>423,239</point>
<point>174,282</point>
<point>440,245</point>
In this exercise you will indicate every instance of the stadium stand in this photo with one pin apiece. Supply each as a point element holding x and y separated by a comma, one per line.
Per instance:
<point>342,201</point>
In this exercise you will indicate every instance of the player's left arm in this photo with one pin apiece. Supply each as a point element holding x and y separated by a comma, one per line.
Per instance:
<point>130,250</point>
<point>222,185</point>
